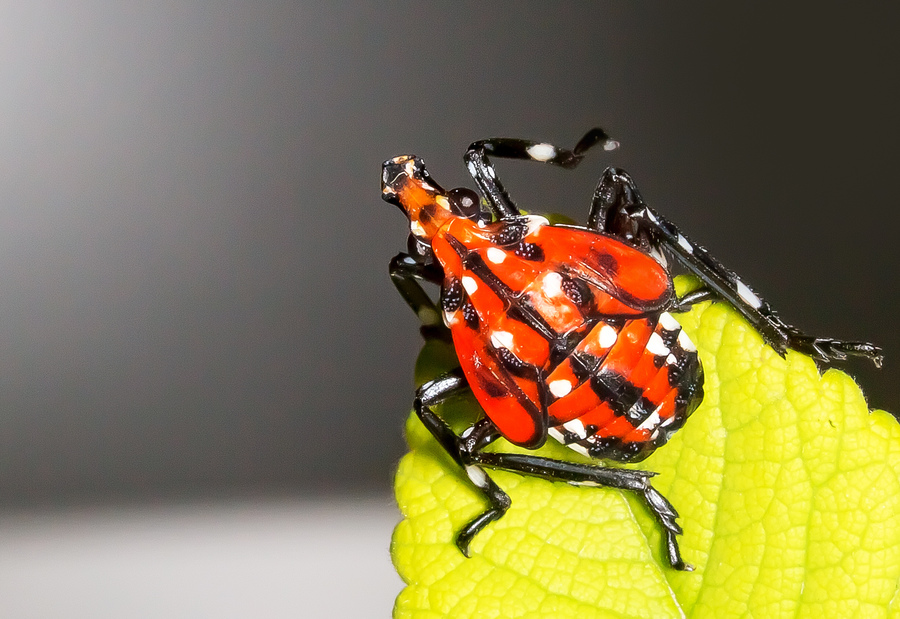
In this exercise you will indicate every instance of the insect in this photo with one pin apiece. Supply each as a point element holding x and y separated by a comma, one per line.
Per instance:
<point>564,331</point>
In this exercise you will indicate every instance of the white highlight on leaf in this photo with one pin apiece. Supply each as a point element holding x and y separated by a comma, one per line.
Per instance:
<point>560,388</point>
<point>469,284</point>
<point>541,152</point>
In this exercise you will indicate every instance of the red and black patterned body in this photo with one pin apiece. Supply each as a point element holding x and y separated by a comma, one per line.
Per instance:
<point>559,330</point>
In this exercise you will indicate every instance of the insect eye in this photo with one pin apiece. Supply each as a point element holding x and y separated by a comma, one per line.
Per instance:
<point>464,202</point>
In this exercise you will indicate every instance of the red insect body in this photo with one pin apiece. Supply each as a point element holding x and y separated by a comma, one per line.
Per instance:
<point>559,330</point>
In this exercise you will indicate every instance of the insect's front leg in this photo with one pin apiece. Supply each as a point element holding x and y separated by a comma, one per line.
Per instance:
<point>461,449</point>
<point>617,209</point>
<point>480,167</point>
<point>406,274</point>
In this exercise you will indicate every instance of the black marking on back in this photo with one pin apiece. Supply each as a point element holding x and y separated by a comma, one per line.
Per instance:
<point>529,251</point>
<point>511,232</point>
<point>470,315</point>
<point>514,365</point>
<point>577,291</point>
<point>615,390</point>
<point>451,294</point>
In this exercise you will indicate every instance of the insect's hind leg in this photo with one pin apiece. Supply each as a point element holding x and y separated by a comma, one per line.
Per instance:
<point>617,208</point>
<point>492,189</point>
<point>461,450</point>
<point>590,475</point>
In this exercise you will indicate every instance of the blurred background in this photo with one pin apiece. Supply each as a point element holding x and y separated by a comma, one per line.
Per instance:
<point>201,353</point>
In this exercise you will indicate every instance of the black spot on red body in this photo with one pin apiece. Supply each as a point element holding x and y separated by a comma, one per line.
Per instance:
<point>470,315</point>
<point>451,294</point>
<point>529,251</point>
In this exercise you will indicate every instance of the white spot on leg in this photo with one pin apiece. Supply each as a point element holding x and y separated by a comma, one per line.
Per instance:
<point>469,284</point>
<point>685,244</point>
<point>747,295</point>
<point>541,152</point>
<point>496,255</point>
<point>656,346</point>
<point>607,336</point>
<point>560,388</point>
<point>478,477</point>
<point>502,339</point>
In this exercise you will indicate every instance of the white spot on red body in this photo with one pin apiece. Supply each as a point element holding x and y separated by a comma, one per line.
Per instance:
<point>442,202</point>
<point>469,284</point>
<point>607,336</point>
<point>541,152</point>
<point>686,342</point>
<point>552,284</point>
<point>656,346</point>
<point>668,322</point>
<point>502,339</point>
<point>496,255</point>
<point>560,388</point>
<point>576,427</point>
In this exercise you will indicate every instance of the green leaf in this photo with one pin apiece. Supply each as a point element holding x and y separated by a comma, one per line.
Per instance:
<point>787,486</point>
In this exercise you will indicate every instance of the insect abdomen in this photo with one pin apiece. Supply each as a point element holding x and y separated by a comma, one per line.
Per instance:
<point>625,389</point>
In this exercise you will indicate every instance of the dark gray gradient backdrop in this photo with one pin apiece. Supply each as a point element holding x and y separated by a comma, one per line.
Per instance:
<point>193,253</point>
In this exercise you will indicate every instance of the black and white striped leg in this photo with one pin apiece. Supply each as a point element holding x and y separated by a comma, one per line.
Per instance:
<point>406,274</point>
<point>617,209</point>
<point>479,164</point>
<point>588,475</point>
<point>461,449</point>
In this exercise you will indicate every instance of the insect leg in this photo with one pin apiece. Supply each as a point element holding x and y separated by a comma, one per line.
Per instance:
<point>590,475</point>
<point>492,189</point>
<point>406,273</point>
<point>617,208</point>
<point>460,449</point>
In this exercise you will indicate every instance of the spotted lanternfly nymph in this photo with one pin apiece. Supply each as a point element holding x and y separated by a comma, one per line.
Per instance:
<point>564,331</point>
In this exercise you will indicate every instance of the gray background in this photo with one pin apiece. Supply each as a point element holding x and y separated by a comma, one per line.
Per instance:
<point>194,297</point>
